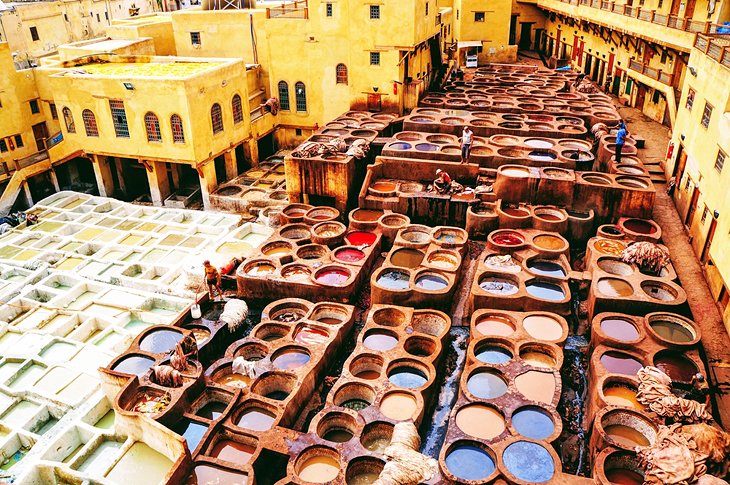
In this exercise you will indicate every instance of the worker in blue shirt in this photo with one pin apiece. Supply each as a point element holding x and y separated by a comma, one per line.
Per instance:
<point>620,140</point>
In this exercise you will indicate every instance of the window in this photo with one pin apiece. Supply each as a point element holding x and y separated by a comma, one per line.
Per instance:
<point>284,95</point>
<point>375,58</point>
<point>65,17</point>
<point>178,136</point>
<point>18,141</point>
<point>665,56</point>
<point>69,120</point>
<point>706,115</point>
<point>3,145</point>
<point>301,96</point>
<point>659,5</point>
<point>704,215</point>
<point>690,99</point>
<point>106,15</point>
<point>457,14</point>
<point>657,96</point>
<point>478,16</point>
<point>34,108</point>
<point>426,9</point>
<point>374,12</point>
<point>341,73</point>
<point>152,125</point>
<point>119,117</point>
<point>54,112</point>
<point>720,161</point>
<point>237,109</point>
<point>34,33</point>
<point>90,123</point>
<point>216,118</point>
<point>328,9</point>
<point>195,38</point>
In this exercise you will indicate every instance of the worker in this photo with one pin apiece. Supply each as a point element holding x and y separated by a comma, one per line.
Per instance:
<point>212,279</point>
<point>466,139</point>
<point>620,140</point>
<point>442,182</point>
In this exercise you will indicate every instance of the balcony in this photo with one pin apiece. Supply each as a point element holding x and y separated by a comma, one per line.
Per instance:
<point>715,47</point>
<point>634,19</point>
<point>293,10</point>
<point>650,72</point>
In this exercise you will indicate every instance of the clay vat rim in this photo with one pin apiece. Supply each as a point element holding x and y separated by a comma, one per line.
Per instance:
<point>446,450</point>
<point>541,408</point>
<point>295,466</point>
<point>608,413</point>
<point>675,318</point>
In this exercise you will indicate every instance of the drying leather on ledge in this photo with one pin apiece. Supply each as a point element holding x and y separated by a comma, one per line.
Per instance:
<point>405,465</point>
<point>655,392</point>
<point>234,314</point>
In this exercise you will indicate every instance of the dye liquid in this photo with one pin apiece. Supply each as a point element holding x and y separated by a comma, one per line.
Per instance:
<point>468,462</point>
<point>530,462</point>
<point>533,423</point>
<point>480,421</point>
<point>626,435</point>
<point>486,385</point>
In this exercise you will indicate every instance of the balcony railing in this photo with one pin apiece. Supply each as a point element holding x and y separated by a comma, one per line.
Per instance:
<point>715,47</point>
<point>671,21</point>
<point>293,10</point>
<point>656,74</point>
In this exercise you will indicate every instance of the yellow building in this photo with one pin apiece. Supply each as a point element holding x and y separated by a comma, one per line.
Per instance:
<point>700,162</point>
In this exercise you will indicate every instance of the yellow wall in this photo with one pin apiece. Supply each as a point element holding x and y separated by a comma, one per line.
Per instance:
<point>17,89</point>
<point>158,27</point>
<point>702,144</point>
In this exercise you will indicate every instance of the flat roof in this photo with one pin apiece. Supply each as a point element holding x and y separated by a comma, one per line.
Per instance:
<point>175,69</point>
<point>106,45</point>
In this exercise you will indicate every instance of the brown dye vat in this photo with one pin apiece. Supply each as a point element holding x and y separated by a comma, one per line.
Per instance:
<point>406,258</point>
<point>616,394</point>
<point>480,421</point>
<point>614,287</point>
<point>398,406</point>
<point>495,326</point>
<point>366,215</point>
<point>620,363</point>
<point>551,243</point>
<point>536,386</point>
<point>232,451</point>
<point>543,327</point>
<point>675,366</point>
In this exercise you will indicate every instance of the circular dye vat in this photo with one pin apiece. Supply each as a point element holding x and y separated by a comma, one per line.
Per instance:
<point>615,287</point>
<point>619,329</point>
<point>349,255</point>
<point>639,226</point>
<point>338,435</point>
<point>486,385</point>
<point>290,359</point>
<point>538,143</point>
<point>394,280</point>
<point>620,395</point>
<point>538,359</point>
<point>431,282</point>
<point>332,276</point>
<point>366,215</point>
<point>508,239</point>
<point>547,268</point>
<point>261,269</point>
<point>256,419</point>
<point>427,147</point>
<point>361,238</point>
<point>407,377</point>
<point>511,211</point>
<point>296,273</point>
<point>400,145</point>
<point>543,327</point>
<point>159,341</point>
<point>542,156</point>
<point>276,249</point>
<point>536,386</point>
<point>491,354</point>
<point>676,366</point>
<point>379,341</point>
<point>319,469</point>
<point>621,363</point>
<point>551,243</point>
<point>498,286</point>
<point>609,246</point>
<point>515,172</point>
<point>626,435</point>
<point>533,422</point>
<point>443,260</point>
<point>135,364</point>
<point>233,380</point>
<point>381,186</point>
<point>528,461</point>
<point>545,290</point>
<point>672,331</point>
<point>621,476</point>
<point>406,258</point>
<point>311,336</point>
<point>469,462</point>
<point>480,421</point>
<point>495,326</point>
<point>232,451</point>
<point>399,406</point>
<point>658,291</point>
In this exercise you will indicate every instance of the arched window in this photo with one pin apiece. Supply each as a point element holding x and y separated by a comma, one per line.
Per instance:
<point>301,95</point>
<point>341,72</point>
<point>90,123</point>
<point>152,125</point>
<point>237,109</point>
<point>284,95</point>
<point>69,119</point>
<point>178,136</point>
<point>216,118</point>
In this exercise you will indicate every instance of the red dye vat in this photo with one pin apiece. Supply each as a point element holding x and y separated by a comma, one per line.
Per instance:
<point>640,227</point>
<point>361,238</point>
<point>332,277</point>
<point>508,239</point>
<point>311,336</point>
<point>349,255</point>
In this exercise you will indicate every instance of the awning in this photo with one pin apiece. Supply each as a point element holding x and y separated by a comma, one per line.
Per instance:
<point>469,43</point>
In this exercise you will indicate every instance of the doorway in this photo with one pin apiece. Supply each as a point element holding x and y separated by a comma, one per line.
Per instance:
<point>589,63</point>
<point>513,30</point>
<point>692,206</point>
<point>681,163</point>
<point>616,88</point>
<point>708,242</point>
<point>40,133</point>
<point>525,36</point>
<point>267,145</point>
<point>689,9</point>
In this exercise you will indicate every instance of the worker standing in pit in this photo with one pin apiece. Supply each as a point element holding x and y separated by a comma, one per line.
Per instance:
<point>212,279</point>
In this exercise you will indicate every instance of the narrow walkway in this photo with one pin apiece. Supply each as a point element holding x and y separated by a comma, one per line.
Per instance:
<point>715,338</point>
